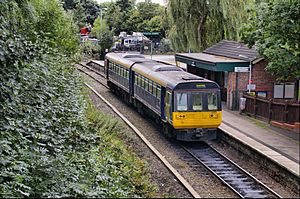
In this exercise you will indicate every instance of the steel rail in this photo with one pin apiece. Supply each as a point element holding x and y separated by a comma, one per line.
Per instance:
<point>226,170</point>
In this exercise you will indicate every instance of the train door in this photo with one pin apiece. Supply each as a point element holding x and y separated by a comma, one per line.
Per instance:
<point>168,105</point>
<point>107,67</point>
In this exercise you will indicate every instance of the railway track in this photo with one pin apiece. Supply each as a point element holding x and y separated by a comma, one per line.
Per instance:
<point>188,187</point>
<point>233,176</point>
<point>237,179</point>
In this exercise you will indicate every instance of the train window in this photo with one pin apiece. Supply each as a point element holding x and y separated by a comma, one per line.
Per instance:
<point>154,90</point>
<point>150,86</point>
<point>117,69</point>
<point>146,85</point>
<point>158,92</point>
<point>212,101</point>
<point>142,82</point>
<point>181,101</point>
<point>137,80</point>
<point>127,74</point>
<point>197,101</point>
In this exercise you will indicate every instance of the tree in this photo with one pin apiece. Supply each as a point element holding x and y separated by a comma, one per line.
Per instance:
<point>105,36</point>
<point>197,25</point>
<point>135,18</point>
<point>274,28</point>
<point>113,17</point>
<point>84,11</point>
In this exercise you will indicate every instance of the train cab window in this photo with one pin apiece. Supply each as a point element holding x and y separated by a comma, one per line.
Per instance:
<point>196,101</point>
<point>212,101</point>
<point>181,101</point>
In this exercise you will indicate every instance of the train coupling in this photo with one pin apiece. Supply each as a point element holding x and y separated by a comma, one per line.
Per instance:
<point>197,134</point>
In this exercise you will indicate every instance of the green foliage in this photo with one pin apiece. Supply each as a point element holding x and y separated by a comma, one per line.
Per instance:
<point>165,46</point>
<point>104,35</point>
<point>197,25</point>
<point>48,147</point>
<point>126,175</point>
<point>54,25</point>
<point>84,11</point>
<point>274,28</point>
<point>144,17</point>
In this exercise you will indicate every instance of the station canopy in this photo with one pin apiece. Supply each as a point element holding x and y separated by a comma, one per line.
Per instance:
<point>223,56</point>
<point>210,62</point>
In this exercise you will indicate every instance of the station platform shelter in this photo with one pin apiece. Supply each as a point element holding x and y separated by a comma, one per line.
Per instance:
<point>235,67</point>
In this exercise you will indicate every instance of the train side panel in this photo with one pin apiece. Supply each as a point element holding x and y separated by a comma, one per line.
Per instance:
<point>147,92</point>
<point>118,75</point>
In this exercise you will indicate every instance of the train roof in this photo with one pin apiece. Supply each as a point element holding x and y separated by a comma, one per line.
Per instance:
<point>167,75</point>
<point>127,59</point>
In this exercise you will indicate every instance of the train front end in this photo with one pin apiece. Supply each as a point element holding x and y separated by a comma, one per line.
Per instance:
<point>197,111</point>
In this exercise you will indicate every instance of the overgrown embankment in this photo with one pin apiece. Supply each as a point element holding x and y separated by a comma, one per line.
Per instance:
<point>52,143</point>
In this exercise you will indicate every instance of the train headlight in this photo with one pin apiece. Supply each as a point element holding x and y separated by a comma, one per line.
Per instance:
<point>180,116</point>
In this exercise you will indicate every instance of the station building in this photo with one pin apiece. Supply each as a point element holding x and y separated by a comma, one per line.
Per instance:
<point>238,70</point>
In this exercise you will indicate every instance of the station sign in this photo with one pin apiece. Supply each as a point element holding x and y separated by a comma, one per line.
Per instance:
<point>241,69</point>
<point>251,87</point>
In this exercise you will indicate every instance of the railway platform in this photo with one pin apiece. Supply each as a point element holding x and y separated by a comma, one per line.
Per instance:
<point>281,146</point>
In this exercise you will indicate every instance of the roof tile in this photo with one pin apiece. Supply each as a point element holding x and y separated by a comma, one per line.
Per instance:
<point>232,49</point>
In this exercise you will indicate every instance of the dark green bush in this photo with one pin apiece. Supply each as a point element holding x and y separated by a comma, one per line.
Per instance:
<point>49,147</point>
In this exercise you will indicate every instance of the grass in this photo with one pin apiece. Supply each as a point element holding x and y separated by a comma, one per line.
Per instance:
<point>130,172</point>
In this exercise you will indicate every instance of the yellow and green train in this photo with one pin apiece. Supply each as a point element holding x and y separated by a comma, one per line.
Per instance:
<point>187,107</point>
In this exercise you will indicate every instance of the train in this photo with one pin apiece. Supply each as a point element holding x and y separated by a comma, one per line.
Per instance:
<point>187,107</point>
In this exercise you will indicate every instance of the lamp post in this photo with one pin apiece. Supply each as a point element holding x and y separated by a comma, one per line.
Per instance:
<point>102,53</point>
<point>250,71</point>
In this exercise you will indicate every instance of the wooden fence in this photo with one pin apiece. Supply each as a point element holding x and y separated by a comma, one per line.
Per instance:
<point>275,110</point>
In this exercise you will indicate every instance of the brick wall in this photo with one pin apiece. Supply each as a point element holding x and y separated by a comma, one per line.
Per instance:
<point>263,80</point>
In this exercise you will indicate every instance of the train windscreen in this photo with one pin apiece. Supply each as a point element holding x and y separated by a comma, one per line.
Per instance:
<point>197,101</point>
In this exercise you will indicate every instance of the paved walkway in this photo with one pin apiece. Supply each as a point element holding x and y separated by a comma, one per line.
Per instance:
<point>279,145</point>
